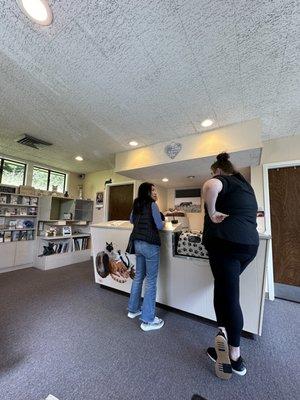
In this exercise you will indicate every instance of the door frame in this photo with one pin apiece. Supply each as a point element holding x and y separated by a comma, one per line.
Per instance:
<point>106,194</point>
<point>266,167</point>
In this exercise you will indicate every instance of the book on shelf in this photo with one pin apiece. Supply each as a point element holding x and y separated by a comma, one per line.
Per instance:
<point>32,211</point>
<point>30,235</point>
<point>15,236</point>
<point>2,222</point>
<point>13,199</point>
<point>12,224</point>
<point>3,199</point>
<point>80,243</point>
<point>60,247</point>
<point>26,201</point>
<point>65,247</point>
<point>19,224</point>
<point>33,201</point>
<point>7,236</point>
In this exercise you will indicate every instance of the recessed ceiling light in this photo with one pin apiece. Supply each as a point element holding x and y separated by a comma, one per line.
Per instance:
<point>37,10</point>
<point>79,158</point>
<point>206,123</point>
<point>165,179</point>
<point>133,143</point>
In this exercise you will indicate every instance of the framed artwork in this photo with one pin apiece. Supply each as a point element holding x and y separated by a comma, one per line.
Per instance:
<point>188,200</point>
<point>99,199</point>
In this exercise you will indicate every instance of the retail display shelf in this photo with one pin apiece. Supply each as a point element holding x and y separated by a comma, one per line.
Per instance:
<point>18,215</point>
<point>79,235</point>
<point>18,205</point>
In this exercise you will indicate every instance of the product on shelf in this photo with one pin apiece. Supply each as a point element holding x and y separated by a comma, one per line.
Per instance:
<point>7,236</point>
<point>30,235</point>
<point>3,199</point>
<point>12,224</point>
<point>26,200</point>
<point>13,199</point>
<point>33,201</point>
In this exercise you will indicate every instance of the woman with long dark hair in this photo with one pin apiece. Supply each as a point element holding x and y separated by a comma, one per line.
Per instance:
<point>147,222</point>
<point>231,239</point>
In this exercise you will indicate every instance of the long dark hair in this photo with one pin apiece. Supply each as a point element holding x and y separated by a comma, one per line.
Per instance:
<point>224,164</point>
<point>144,197</point>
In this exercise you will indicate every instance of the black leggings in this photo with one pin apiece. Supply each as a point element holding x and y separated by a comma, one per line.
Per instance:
<point>226,269</point>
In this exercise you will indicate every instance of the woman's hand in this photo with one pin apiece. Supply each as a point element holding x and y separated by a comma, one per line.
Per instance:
<point>218,217</point>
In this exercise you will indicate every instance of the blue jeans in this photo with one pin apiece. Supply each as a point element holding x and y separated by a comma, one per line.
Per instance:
<point>147,261</point>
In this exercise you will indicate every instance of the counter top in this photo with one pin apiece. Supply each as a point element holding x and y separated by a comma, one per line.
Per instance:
<point>169,227</point>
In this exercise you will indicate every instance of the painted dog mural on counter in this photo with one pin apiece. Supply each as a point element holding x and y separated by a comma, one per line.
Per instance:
<point>114,263</point>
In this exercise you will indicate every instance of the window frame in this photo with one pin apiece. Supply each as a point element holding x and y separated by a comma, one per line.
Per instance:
<point>2,160</point>
<point>49,171</point>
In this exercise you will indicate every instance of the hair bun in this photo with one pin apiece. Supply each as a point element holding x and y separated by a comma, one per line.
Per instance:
<point>223,157</point>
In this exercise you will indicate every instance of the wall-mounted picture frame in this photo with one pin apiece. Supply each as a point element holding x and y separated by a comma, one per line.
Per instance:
<point>67,230</point>
<point>188,200</point>
<point>99,199</point>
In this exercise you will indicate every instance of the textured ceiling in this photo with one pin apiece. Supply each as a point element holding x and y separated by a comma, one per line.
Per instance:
<point>110,71</point>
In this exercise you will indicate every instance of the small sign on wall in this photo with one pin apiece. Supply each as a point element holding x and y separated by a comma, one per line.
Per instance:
<point>99,199</point>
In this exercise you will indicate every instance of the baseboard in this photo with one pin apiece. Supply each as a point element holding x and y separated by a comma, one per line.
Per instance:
<point>206,321</point>
<point>16,268</point>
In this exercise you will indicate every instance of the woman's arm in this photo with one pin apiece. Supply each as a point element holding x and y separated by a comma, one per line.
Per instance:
<point>156,216</point>
<point>131,217</point>
<point>211,189</point>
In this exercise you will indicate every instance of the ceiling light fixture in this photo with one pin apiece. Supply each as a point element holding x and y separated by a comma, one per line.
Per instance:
<point>206,123</point>
<point>165,179</point>
<point>38,11</point>
<point>78,158</point>
<point>133,143</point>
<point>191,177</point>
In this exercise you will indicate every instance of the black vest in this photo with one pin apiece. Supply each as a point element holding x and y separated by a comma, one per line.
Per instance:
<point>144,227</point>
<point>237,199</point>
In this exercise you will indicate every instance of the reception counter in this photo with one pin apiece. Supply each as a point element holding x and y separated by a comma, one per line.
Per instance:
<point>185,283</point>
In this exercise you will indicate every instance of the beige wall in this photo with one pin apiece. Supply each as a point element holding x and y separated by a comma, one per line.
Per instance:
<point>94,182</point>
<point>233,138</point>
<point>279,150</point>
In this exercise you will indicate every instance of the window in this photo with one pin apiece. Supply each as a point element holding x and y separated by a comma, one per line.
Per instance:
<point>12,172</point>
<point>45,179</point>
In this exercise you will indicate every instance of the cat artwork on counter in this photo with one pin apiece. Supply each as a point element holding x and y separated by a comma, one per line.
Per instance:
<point>114,263</point>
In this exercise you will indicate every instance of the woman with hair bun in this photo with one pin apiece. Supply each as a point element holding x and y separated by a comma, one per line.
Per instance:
<point>231,239</point>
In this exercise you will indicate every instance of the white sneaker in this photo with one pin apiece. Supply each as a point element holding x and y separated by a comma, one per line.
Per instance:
<point>134,314</point>
<point>151,326</point>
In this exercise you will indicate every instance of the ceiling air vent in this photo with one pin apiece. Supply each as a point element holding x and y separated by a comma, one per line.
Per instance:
<point>33,142</point>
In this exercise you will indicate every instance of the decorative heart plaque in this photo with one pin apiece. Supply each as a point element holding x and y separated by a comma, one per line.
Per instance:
<point>173,149</point>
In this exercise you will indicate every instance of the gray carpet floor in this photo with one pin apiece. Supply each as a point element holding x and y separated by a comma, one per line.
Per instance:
<point>62,334</point>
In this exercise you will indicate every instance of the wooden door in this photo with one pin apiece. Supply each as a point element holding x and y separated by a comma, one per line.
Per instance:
<point>284,187</point>
<point>120,202</point>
